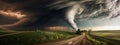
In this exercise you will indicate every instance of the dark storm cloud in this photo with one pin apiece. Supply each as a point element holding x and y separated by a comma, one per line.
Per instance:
<point>39,15</point>
<point>4,18</point>
<point>87,9</point>
<point>43,13</point>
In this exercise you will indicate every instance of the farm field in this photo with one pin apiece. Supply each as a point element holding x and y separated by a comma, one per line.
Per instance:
<point>108,34</point>
<point>30,38</point>
<point>59,37</point>
<point>105,37</point>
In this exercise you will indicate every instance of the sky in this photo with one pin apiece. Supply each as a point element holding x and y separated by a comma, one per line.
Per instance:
<point>101,24</point>
<point>44,14</point>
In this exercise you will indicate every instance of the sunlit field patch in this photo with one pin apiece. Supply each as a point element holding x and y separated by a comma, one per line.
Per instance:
<point>30,38</point>
<point>108,34</point>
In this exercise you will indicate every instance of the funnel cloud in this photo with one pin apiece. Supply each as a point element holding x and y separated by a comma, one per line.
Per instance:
<point>86,9</point>
<point>37,14</point>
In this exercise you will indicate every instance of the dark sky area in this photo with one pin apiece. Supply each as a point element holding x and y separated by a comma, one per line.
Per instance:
<point>40,15</point>
<point>39,12</point>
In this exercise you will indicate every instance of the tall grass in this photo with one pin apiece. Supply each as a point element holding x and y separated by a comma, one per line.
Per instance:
<point>97,40</point>
<point>30,38</point>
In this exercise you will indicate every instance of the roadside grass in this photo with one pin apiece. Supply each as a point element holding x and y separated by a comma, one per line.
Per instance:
<point>99,40</point>
<point>108,34</point>
<point>96,41</point>
<point>30,38</point>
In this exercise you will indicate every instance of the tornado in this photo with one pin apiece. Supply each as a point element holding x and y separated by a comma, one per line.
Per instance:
<point>88,9</point>
<point>70,16</point>
<point>71,13</point>
<point>75,9</point>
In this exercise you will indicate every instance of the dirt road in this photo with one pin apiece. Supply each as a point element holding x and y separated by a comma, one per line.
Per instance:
<point>79,40</point>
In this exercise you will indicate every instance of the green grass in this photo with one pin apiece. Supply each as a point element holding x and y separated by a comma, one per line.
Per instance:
<point>30,38</point>
<point>105,37</point>
<point>2,33</point>
<point>103,41</point>
<point>108,34</point>
<point>96,41</point>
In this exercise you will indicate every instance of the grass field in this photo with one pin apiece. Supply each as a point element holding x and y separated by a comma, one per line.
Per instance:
<point>105,37</point>
<point>30,38</point>
<point>108,34</point>
<point>1,33</point>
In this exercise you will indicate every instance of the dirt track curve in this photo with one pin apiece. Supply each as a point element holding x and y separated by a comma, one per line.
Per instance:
<point>79,40</point>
